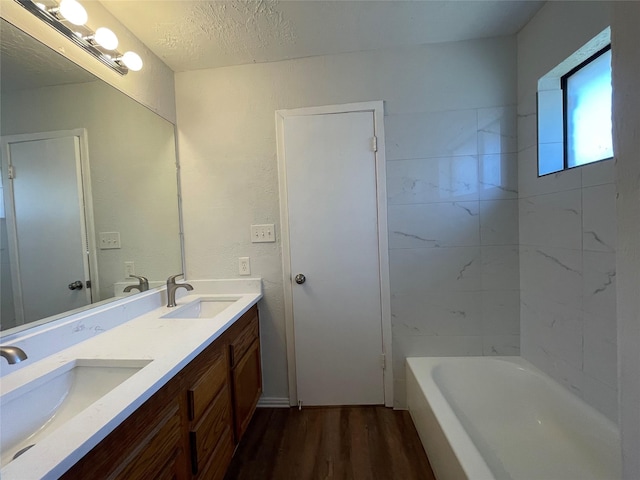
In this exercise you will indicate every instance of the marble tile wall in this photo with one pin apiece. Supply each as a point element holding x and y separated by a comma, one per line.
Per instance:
<point>567,280</point>
<point>453,234</point>
<point>567,230</point>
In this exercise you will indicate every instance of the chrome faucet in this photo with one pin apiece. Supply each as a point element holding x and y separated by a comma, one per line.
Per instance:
<point>12,354</point>
<point>172,286</point>
<point>143,284</point>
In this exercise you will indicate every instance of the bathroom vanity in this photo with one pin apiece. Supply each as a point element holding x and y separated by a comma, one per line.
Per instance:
<point>192,379</point>
<point>190,427</point>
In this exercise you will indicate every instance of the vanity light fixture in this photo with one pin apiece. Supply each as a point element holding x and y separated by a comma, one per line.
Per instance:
<point>73,12</point>
<point>69,17</point>
<point>105,38</point>
<point>131,60</point>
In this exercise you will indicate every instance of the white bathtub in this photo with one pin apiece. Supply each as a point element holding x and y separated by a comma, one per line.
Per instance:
<point>501,418</point>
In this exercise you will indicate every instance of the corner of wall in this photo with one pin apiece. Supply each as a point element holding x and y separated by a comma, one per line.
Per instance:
<point>626,72</point>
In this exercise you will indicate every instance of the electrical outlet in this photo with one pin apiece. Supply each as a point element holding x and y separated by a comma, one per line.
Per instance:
<point>109,240</point>
<point>244,266</point>
<point>263,233</point>
<point>129,269</point>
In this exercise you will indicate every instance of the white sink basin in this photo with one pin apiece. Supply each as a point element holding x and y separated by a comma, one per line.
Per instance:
<point>33,411</point>
<point>203,308</point>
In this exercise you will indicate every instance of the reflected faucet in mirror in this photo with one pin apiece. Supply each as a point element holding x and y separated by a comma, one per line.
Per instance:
<point>12,354</point>
<point>142,286</point>
<point>172,286</point>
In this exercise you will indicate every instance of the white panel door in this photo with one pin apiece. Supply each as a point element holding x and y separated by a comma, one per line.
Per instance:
<point>47,255</point>
<point>333,235</point>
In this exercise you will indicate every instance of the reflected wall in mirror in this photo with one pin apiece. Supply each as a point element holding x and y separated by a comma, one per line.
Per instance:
<point>89,187</point>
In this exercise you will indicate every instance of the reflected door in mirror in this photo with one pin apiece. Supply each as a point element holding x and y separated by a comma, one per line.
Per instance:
<point>45,208</point>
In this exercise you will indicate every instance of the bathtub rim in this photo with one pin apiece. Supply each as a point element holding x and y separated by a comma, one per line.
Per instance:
<point>466,454</point>
<point>458,439</point>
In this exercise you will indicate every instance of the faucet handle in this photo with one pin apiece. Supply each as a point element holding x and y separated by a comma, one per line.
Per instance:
<point>142,280</point>
<point>143,283</point>
<point>172,278</point>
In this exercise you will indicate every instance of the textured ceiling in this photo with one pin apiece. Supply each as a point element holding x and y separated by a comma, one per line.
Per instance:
<point>26,63</point>
<point>196,34</point>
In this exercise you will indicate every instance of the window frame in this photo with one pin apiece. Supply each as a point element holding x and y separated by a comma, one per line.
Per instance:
<point>565,126</point>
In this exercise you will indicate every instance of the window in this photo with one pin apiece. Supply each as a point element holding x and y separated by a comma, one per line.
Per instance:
<point>587,106</point>
<point>574,109</point>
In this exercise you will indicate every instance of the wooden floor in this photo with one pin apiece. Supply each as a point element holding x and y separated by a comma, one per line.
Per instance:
<point>330,443</point>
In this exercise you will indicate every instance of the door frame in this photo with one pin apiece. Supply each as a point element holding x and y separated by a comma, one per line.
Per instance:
<point>87,219</point>
<point>377,109</point>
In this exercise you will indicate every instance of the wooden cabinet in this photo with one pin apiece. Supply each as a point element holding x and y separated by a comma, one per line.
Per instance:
<point>209,410</point>
<point>189,428</point>
<point>246,379</point>
<point>158,455</point>
<point>148,444</point>
<point>246,373</point>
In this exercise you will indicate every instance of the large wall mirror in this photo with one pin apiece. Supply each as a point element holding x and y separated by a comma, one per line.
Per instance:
<point>89,187</point>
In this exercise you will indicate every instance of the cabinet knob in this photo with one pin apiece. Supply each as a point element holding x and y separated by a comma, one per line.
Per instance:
<point>300,279</point>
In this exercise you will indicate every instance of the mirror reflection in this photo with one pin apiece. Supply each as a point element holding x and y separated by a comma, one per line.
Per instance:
<point>89,187</point>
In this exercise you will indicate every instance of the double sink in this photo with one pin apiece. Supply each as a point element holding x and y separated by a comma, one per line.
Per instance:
<point>49,401</point>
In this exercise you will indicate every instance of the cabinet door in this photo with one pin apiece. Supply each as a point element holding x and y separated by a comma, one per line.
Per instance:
<point>149,444</point>
<point>158,452</point>
<point>247,387</point>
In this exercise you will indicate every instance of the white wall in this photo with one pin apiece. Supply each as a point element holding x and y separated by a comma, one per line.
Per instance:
<point>626,78</point>
<point>132,166</point>
<point>567,228</point>
<point>153,86</point>
<point>450,136</point>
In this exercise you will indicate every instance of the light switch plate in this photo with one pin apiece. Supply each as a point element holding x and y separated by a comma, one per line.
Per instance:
<point>109,240</point>
<point>263,233</point>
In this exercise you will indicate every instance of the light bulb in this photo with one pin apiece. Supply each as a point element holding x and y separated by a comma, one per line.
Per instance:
<point>73,12</point>
<point>106,38</point>
<point>132,60</point>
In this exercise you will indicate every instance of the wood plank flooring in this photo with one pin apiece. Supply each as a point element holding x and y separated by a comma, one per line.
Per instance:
<point>350,443</point>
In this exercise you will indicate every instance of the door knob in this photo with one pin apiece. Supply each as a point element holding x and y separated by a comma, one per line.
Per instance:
<point>300,279</point>
<point>77,285</point>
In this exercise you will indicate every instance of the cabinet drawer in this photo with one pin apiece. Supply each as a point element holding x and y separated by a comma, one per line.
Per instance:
<point>200,395</point>
<point>219,461</point>
<point>210,429</point>
<point>242,342</point>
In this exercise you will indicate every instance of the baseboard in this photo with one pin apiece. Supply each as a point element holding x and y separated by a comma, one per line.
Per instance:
<point>273,402</point>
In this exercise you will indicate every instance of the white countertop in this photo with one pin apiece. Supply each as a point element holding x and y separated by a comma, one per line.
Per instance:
<point>170,343</point>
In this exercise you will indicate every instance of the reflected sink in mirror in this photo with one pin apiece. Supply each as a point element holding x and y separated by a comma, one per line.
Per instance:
<point>33,411</point>
<point>203,308</point>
